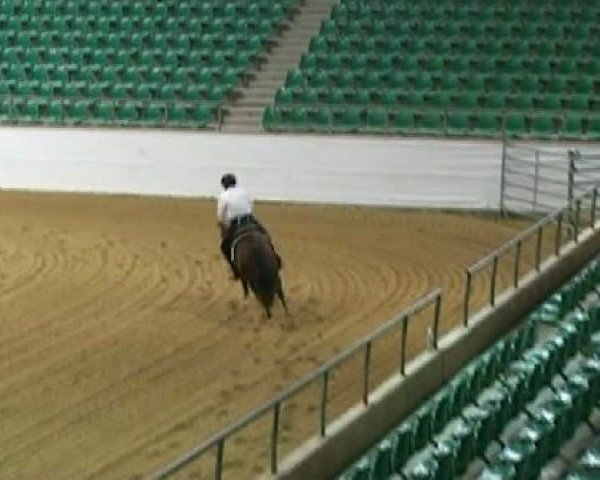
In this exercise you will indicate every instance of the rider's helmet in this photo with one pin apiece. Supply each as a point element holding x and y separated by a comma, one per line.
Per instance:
<point>228,180</point>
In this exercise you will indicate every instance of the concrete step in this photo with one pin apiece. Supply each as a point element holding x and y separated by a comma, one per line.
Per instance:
<point>254,101</point>
<point>244,112</point>
<point>232,128</point>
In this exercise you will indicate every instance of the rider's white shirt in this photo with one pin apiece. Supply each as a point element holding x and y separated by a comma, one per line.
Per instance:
<point>233,202</point>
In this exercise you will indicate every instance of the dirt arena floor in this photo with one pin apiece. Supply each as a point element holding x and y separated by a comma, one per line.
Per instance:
<point>123,343</point>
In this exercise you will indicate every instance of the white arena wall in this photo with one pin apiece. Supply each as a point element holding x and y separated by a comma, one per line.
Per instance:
<point>362,170</point>
<point>299,168</point>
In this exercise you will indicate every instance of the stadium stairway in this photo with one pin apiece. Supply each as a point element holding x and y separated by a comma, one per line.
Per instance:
<point>243,112</point>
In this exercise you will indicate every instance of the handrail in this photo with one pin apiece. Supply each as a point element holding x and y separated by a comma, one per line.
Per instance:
<point>218,440</point>
<point>484,261</point>
<point>572,212</point>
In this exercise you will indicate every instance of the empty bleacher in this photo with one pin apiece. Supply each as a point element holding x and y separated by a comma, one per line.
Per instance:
<point>513,406</point>
<point>104,62</point>
<point>450,68</point>
<point>588,465</point>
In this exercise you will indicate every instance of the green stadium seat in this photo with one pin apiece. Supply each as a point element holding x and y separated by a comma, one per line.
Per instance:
<point>550,102</point>
<point>556,85</point>
<point>583,85</point>
<point>52,113</point>
<point>295,117</point>
<point>458,124</point>
<point>350,119</point>
<point>573,126</point>
<point>592,131</point>
<point>467,100</point>
<point>319,119</point>
<point>377,119</point>
<point>514,125</point>
<point>439,99</point>
<point>153,114</point>
<point>104,113</point>
<point>522,102</point>
<point>487,124</point>
<point>431,123</point>
<point>415,99</point>
<point>403,121</point>
<point>270,118</point>
<point>77,112</point>
<point>127,114</point>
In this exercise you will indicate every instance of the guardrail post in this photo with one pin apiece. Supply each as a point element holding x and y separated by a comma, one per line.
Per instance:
<point>558,234</point>
<point>275,437</point>
<point>404,339</point>
<point>493,282</point>
<point>436,320</point>
<point>538,249</point>
<point>517,263</point>
<point>467,299</point>
<point>219,459</point>
<point>577,213</point>
<point>594,199</point>
<point>323,419</point>
<point>366,373</point>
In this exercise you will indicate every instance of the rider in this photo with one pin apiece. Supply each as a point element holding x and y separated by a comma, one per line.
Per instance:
<point>234,210</point>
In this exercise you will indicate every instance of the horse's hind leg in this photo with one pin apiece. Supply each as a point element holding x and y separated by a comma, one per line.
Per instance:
<point>282,298</point>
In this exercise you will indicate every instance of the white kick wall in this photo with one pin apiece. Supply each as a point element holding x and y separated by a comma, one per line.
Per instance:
<point>373,170</point>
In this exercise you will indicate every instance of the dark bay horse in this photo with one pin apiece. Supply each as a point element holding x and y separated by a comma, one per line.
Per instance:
<point>258,266</point>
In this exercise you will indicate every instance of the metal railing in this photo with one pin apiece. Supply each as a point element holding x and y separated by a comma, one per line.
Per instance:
<point>568,220</point>
<point>322,376</point>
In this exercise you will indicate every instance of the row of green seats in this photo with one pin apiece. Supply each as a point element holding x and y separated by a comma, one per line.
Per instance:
<point>390,457</point>
<point>556,12</point>
<point>588,464</point>
<point>433,122</point>
<point>553,421</point>
<point>437,99</point>
<point>569,296</point>
<point>558,84</point>
<point>228,76</point>
<point>56,39</point>
<point>412,44</point>
<point>129,25</point>
<point>127,59</point>
<point>214,91</point>
<point>482,63</point>
<point>457,15</point>
<point>137,8</point>
<point>111,23</point>
<point>419,28</point>
<point>106,112</point>
<point>521,381</point>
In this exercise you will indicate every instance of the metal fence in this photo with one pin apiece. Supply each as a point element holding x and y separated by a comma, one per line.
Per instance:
<point>523,259</point>
<point>561,226</point>
<point>538,181</point>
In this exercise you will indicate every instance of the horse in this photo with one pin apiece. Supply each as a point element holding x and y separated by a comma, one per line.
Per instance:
<point>258,267</point>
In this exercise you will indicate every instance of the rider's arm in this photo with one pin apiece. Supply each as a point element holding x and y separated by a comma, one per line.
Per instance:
<point>221,212</point>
